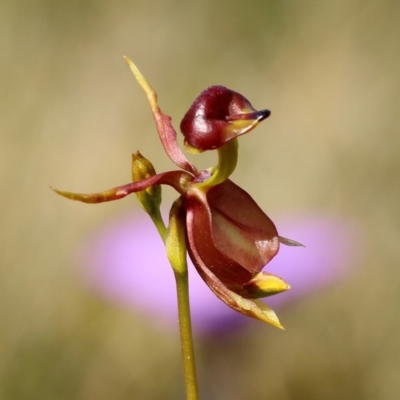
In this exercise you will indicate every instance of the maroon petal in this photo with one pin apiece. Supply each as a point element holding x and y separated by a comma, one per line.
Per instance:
<point>240,228</point>
<point>229,234</point>
<point>250,307</point>
<point>217,116</point>
<point>202,248</point>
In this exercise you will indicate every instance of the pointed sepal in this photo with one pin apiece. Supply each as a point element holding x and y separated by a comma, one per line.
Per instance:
<point>264,284</point>
<point>290,242</point>
<point>179,180</point>
<point>165,129</point>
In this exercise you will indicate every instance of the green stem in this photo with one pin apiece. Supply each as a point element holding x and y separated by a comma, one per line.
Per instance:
<point>159,223</point>
<point>175,242</point>
<point>227,160</point>
<point>185,328</point>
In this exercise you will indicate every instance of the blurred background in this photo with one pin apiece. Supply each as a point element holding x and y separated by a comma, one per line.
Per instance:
<point>71,114</point>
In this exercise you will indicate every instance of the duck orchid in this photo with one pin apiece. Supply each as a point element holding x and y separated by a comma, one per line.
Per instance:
<point>226,234</point>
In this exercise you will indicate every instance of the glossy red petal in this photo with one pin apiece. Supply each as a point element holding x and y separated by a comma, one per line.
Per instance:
<point>253,308</point>
<point>240,228</point>
<point>201,246</point>
<point>217,116</point>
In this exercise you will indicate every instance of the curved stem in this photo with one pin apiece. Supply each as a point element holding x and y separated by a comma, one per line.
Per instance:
<point>227,160</point>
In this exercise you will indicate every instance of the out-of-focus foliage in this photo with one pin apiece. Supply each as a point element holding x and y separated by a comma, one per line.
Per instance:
<point>71,115</point>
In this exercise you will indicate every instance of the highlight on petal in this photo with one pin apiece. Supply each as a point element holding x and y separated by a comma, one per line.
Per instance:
<point>123,257</point>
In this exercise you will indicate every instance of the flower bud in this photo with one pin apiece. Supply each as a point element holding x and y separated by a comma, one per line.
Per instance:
<point>150,198</point>
<point>217,116</point>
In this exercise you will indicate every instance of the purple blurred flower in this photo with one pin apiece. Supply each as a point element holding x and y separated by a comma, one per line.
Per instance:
<point>126,262</point>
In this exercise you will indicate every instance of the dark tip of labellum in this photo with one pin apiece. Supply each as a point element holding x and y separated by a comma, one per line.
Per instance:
<point>261,115</point>
<point>256,115</point>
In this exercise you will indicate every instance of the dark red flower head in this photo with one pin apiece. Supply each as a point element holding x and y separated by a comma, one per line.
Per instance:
<point>218,115</point>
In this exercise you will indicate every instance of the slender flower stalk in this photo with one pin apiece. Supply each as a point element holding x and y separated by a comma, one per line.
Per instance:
<point>174,241</point>
<point>227,236</point>
<point>185,330</point>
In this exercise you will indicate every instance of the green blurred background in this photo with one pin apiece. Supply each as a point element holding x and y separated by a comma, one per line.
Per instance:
<point>71,114</point>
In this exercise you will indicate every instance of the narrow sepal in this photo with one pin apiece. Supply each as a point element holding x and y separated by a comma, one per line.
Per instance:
<point>290,242</point>
<point>177,179</point>
<point>165,129</point>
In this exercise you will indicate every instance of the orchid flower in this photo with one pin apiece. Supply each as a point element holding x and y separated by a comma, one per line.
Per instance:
<point>228,237</point>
